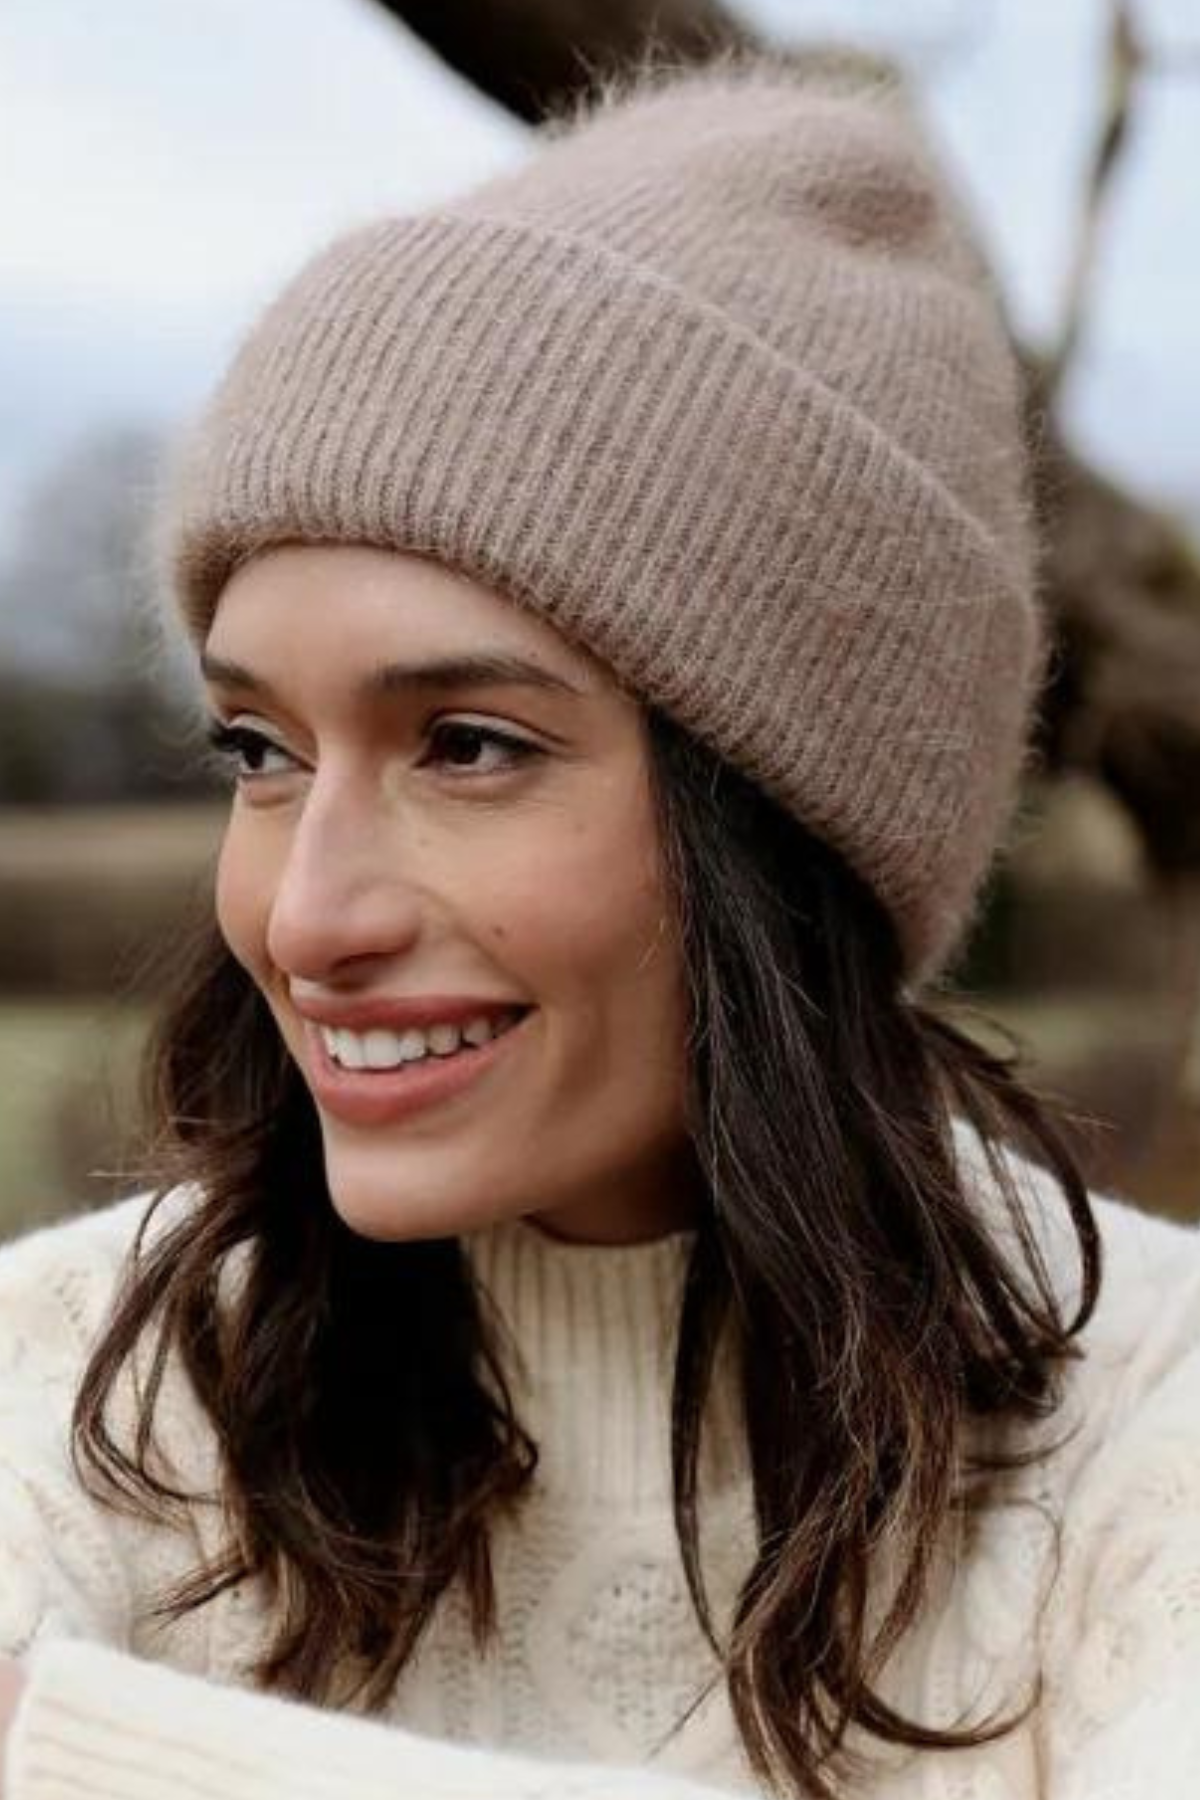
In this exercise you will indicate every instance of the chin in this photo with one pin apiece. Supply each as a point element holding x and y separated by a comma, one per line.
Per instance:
<point>381,1204</point>
<point>387,1219</point>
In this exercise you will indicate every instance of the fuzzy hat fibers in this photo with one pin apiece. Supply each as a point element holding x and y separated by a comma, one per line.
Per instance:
<point>718,385</point>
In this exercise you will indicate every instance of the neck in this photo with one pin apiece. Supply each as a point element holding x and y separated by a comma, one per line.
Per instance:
<point>588,1335</point>
<point>661,1197</point>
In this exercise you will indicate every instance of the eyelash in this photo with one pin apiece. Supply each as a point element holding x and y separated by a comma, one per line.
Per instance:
<point>229,742</point>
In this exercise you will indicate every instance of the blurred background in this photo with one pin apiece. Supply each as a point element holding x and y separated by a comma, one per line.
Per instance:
<point>168,163</point>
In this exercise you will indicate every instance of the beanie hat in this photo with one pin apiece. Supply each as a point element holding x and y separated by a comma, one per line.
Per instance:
<point>716,383</point>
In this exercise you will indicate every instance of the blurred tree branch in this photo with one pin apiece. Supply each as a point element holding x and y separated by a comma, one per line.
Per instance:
<point>532,55</point>
<point>1122,583</point>
<point>1125,64</point>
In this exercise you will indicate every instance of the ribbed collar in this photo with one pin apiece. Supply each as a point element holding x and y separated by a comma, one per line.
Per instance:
<point>590,1335</point>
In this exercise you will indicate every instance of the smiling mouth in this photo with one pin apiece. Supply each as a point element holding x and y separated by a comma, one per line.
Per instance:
<point>383,1051</point>
<point>393,1093</point>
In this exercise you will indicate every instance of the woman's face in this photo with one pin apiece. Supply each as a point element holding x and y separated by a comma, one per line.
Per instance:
<point>443,825</point>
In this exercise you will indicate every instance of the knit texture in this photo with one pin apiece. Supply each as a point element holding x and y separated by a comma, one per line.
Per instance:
<point>718,386</point>
<point>600,1654</point>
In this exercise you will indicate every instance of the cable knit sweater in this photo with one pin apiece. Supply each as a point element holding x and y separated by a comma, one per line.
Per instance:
<point>1087,1572</point>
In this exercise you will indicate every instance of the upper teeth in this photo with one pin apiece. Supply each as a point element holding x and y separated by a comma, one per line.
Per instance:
<point>379,1049</point>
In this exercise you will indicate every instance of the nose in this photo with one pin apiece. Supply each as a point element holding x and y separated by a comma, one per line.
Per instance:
<point>345,890</point>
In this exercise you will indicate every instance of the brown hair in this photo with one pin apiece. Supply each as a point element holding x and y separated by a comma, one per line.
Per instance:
<point>840,1239</point>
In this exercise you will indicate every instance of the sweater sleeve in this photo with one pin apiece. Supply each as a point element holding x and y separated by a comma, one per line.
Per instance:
<point>94,1724</point>
<point>59,1572</point>
<point>1122,1696</point>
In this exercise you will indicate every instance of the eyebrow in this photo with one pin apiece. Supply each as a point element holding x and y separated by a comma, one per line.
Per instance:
<point>480,669</point>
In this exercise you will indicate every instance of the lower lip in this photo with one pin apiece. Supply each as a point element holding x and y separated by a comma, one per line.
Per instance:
<point>385,1096</point>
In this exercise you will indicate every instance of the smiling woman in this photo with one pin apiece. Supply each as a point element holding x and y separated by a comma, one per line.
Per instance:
<point>444,828</point>
<point>590,1312</point>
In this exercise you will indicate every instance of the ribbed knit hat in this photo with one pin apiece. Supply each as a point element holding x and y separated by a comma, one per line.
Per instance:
<point>717,384</point>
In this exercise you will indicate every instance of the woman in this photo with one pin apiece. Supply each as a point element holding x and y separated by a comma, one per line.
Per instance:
<point>592,1318</point>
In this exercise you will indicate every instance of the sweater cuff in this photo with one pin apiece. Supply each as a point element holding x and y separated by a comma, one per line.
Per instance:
<point>102,1725</point>
<point>97,1724</point>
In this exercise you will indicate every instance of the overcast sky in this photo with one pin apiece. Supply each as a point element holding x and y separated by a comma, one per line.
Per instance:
<point>167,163</point>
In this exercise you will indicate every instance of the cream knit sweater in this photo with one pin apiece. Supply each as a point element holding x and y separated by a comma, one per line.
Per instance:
<point>600,1654</point>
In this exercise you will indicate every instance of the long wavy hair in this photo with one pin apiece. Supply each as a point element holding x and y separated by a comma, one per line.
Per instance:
<point>357,1388</point>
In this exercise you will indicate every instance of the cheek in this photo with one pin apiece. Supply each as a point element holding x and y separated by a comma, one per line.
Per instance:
<point>586,922</point>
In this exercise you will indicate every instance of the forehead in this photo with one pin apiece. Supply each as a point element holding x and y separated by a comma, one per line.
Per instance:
<point>327,607</point>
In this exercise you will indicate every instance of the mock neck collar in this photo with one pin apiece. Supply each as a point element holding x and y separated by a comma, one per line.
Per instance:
<point>588,1343</point>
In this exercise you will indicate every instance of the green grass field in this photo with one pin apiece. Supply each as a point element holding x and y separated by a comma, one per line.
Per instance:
<point>66,1102</point>
<point>85,894</point>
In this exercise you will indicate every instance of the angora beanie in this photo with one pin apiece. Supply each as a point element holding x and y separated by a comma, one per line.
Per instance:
<point>717,384</point>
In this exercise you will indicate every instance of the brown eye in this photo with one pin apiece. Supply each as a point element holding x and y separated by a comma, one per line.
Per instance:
<point>477,749</point>
<point>246,749</point>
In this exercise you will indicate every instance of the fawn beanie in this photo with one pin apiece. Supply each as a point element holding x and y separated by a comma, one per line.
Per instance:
<point>716,384</point>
